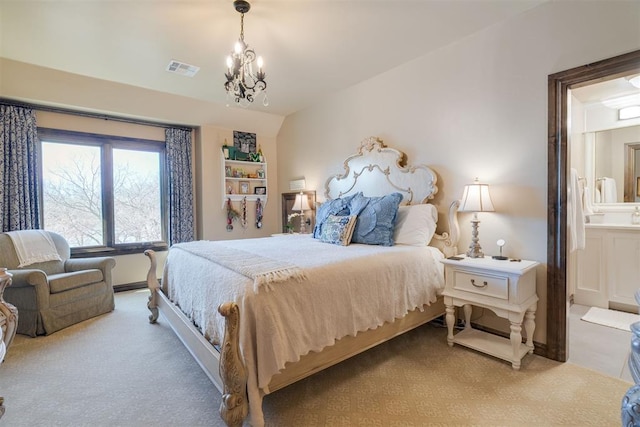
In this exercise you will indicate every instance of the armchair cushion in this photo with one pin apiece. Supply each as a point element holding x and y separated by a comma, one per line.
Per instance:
<point>75,279</point>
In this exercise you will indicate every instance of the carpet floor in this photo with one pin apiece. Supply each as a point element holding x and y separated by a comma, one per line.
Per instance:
<point>119,370</point>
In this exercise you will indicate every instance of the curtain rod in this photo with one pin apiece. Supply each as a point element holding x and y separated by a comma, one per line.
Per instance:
<point>10,102</point>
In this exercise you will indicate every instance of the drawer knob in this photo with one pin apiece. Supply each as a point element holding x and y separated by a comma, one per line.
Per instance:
<point>473,282</point>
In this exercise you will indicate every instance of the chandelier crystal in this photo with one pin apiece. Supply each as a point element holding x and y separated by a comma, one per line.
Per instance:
<point>243,85</point>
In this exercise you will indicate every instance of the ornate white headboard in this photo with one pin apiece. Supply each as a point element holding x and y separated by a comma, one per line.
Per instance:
<point>377,170</point>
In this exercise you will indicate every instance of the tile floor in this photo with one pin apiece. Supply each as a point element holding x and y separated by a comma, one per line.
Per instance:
<point>597,347</point>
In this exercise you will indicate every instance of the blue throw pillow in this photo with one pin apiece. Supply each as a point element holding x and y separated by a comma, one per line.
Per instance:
<point>338,207</point>
<point>376,218</point>
<point>338,230</point>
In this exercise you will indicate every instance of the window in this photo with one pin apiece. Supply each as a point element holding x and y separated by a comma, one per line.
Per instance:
<point>104,194</point>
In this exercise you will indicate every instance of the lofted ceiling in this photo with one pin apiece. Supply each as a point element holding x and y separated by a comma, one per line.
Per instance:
<point>311,48</point>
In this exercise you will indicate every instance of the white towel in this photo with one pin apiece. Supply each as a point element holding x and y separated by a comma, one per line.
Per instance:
<point>587,201</point>
<point>608,190</point>
<point>33,246</point>
<point>575,214</point>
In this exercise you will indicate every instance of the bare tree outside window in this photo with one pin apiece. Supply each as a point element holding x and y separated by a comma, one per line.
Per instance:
<point>136,189</point>
<point>73,199</point>
<point>72,195</point>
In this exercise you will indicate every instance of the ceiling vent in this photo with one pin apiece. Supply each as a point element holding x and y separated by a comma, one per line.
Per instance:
<point>182,68</point>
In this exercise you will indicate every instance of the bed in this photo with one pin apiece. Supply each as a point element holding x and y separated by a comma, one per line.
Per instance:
<point>260,314</point>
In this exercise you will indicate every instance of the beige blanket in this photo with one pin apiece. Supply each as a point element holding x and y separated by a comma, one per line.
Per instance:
<point>262,270</point>
<point>33,246</point>
<point>346,290</point>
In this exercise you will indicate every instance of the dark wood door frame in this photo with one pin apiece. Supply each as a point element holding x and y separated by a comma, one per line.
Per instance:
<point>558,85</point>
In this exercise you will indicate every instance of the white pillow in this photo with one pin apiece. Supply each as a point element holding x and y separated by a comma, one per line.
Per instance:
<point>415,225</point>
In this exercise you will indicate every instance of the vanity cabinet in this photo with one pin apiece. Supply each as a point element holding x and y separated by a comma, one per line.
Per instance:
<point>609,266</point>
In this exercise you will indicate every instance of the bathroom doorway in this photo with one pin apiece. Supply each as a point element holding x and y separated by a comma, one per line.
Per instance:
<point>558,169</point>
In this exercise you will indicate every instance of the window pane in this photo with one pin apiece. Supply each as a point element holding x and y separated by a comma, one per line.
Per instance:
<point>72,194</point>
<point>136,189</point>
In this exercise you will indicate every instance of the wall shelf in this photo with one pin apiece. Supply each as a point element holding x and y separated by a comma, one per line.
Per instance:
<point>237,183</point>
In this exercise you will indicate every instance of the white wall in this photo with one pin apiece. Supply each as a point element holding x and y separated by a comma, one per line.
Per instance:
<point>475,108</point>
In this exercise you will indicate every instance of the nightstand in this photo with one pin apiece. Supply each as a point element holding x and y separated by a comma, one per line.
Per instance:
<point>508,288</point>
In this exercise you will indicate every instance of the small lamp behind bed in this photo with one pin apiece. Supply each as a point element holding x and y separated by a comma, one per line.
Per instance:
<point>301,204</point>
<point>475,199</point>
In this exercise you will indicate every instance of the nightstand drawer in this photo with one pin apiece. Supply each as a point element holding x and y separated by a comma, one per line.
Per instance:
<point>491,286</point>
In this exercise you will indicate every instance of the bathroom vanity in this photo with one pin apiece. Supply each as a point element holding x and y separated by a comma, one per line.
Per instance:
<point>608,269</point>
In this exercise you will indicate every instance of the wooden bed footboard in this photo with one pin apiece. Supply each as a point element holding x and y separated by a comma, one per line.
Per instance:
<point>226,368</point>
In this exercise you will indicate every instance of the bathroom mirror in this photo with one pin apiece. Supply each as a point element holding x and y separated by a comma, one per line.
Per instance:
<point>618,156</point>
<point>606,148</point>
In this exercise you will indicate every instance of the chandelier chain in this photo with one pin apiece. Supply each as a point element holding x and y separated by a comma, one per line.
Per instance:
<point>242,26</point>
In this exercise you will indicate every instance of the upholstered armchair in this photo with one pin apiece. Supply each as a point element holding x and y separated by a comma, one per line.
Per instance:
<point>51,295</point>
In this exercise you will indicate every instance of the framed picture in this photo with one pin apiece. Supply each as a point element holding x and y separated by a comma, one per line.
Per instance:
<point>260,190</point>
<point>638,186</point>
<point>245,143</point>
<point>244,187</point>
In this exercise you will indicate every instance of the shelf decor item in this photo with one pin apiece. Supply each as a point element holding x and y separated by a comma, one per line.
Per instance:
<point>232,214</point>
<point>244,142</point>
<point>258,213</point>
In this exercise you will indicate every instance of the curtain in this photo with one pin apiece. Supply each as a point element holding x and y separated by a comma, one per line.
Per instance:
<point>179,173</point>
<point>19,184</point>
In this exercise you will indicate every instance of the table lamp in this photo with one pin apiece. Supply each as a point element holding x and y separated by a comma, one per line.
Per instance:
<point>475,199</point>
<point>301,204</point>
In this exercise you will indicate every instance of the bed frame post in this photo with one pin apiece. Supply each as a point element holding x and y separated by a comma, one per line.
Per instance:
<point>234,406</point>
<point>154,286</point>
<point>447,242</point>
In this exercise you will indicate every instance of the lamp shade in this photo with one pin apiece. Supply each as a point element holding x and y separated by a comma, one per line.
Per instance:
<point>476,198</point>
<point>301,203</point>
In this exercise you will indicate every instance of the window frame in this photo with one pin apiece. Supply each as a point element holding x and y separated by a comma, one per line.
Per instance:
<point>107,144</point>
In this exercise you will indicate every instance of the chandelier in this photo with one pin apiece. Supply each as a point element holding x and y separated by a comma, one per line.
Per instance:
<point>243,85</point>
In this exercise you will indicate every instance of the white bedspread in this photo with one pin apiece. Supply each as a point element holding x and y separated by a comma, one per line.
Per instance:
<point>346,290</point>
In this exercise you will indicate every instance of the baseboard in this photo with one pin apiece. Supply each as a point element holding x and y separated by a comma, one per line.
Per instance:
<point>129,286</point>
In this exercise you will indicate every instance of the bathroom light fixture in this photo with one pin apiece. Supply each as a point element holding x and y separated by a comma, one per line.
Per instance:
<point>243,85</point>
<point>475,199</point>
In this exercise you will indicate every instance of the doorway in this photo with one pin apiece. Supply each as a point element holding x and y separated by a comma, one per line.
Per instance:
<point>558,111</point>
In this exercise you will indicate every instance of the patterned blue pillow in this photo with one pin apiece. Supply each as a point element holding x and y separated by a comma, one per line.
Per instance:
<point>376,218</point>
<point>338,229</point>
<point>338,207</point>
